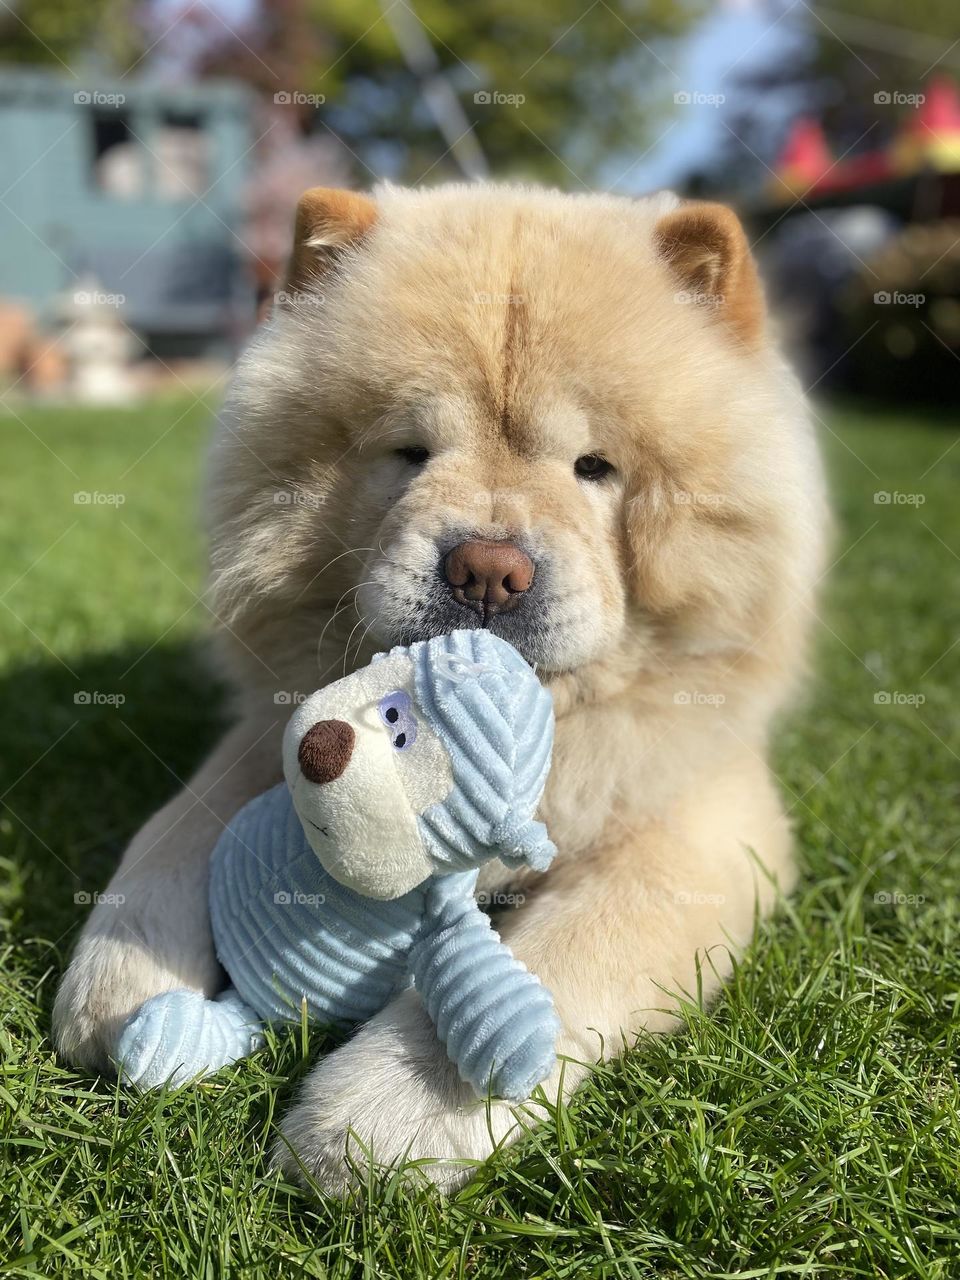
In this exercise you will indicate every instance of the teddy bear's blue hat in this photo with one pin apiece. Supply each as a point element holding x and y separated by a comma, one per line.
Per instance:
<point>495,720</point>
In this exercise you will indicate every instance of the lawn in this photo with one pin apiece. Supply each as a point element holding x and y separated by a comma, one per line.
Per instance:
<point>808,1124</point>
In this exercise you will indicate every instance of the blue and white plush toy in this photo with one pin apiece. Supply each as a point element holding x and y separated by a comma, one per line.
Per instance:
<point>356,876</point>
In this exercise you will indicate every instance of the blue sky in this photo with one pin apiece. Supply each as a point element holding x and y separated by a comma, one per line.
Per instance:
<point>733,39</point>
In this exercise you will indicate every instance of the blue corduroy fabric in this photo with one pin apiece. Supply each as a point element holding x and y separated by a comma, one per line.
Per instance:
<point>286,931</point>
<point>495,720</point>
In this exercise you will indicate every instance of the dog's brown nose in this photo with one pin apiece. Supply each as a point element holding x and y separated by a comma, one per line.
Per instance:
<point>325,750</point>
<point>488,576</point>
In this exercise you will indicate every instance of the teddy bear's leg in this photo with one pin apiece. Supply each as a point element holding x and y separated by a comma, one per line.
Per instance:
<point>179,1035</point>
<point>153,934</point>
<point>495,1018</point>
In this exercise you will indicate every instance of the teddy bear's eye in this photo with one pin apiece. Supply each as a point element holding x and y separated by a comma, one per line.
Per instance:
<point>396,712</point>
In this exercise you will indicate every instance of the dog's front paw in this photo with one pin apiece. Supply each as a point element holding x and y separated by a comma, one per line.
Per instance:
<point>390,1095</point>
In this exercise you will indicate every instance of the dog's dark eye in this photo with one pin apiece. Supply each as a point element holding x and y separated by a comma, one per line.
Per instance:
<point>414,455</point>
<point>591,466</point>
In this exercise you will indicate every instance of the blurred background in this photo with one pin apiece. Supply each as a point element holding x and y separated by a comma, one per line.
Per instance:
<point>151,154</point>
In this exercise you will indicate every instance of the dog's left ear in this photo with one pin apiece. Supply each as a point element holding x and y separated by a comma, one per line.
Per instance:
<point>328,221</point>
<point>707,251</point>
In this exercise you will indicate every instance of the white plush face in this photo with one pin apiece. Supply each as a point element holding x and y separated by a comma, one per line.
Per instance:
<point>361,763</point>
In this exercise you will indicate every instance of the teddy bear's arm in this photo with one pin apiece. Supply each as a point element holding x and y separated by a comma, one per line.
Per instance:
<point>496,1019</point>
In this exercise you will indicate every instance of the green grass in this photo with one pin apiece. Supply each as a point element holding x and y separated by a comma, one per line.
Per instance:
<point>806,1125</point>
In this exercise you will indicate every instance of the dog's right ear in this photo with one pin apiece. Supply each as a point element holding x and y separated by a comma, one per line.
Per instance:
<point>327,221</point>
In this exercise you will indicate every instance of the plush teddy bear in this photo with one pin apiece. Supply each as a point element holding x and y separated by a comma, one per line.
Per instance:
<point>356,876</point>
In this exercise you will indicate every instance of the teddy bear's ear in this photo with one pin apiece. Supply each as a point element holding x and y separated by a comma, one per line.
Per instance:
<point>328,220</point>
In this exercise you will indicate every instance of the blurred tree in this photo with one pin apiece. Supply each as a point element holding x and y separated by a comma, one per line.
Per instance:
<point>549,88</point>
<point>67,32</point>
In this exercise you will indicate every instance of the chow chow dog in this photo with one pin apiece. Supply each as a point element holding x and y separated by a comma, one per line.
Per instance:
<point>563,418</point>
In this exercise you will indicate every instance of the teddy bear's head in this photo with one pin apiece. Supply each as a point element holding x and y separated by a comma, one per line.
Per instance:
<point>432,759</point>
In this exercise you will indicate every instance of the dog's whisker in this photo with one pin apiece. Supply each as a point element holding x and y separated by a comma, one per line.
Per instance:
<point>346,647</point>
<point>350,551</point>
<point>339,609</point>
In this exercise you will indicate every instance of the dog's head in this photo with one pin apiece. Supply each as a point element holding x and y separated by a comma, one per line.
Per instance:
<point>555,417</point>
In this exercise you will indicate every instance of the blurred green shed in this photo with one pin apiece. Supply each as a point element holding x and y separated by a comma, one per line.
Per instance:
<point>137,185</point>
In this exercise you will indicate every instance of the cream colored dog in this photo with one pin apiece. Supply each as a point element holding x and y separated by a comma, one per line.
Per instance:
<point>560,417</point>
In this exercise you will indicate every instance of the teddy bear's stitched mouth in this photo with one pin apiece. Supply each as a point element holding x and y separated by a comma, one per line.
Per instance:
<point>323,830</point>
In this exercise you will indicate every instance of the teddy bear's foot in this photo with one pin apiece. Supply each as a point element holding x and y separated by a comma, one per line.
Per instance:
<point>179,1035</point>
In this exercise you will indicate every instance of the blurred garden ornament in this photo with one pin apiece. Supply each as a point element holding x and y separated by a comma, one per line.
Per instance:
<point>100,349</point>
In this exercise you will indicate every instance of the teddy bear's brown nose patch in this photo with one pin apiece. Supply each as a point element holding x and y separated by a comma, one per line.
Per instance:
<point>325,750</point>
